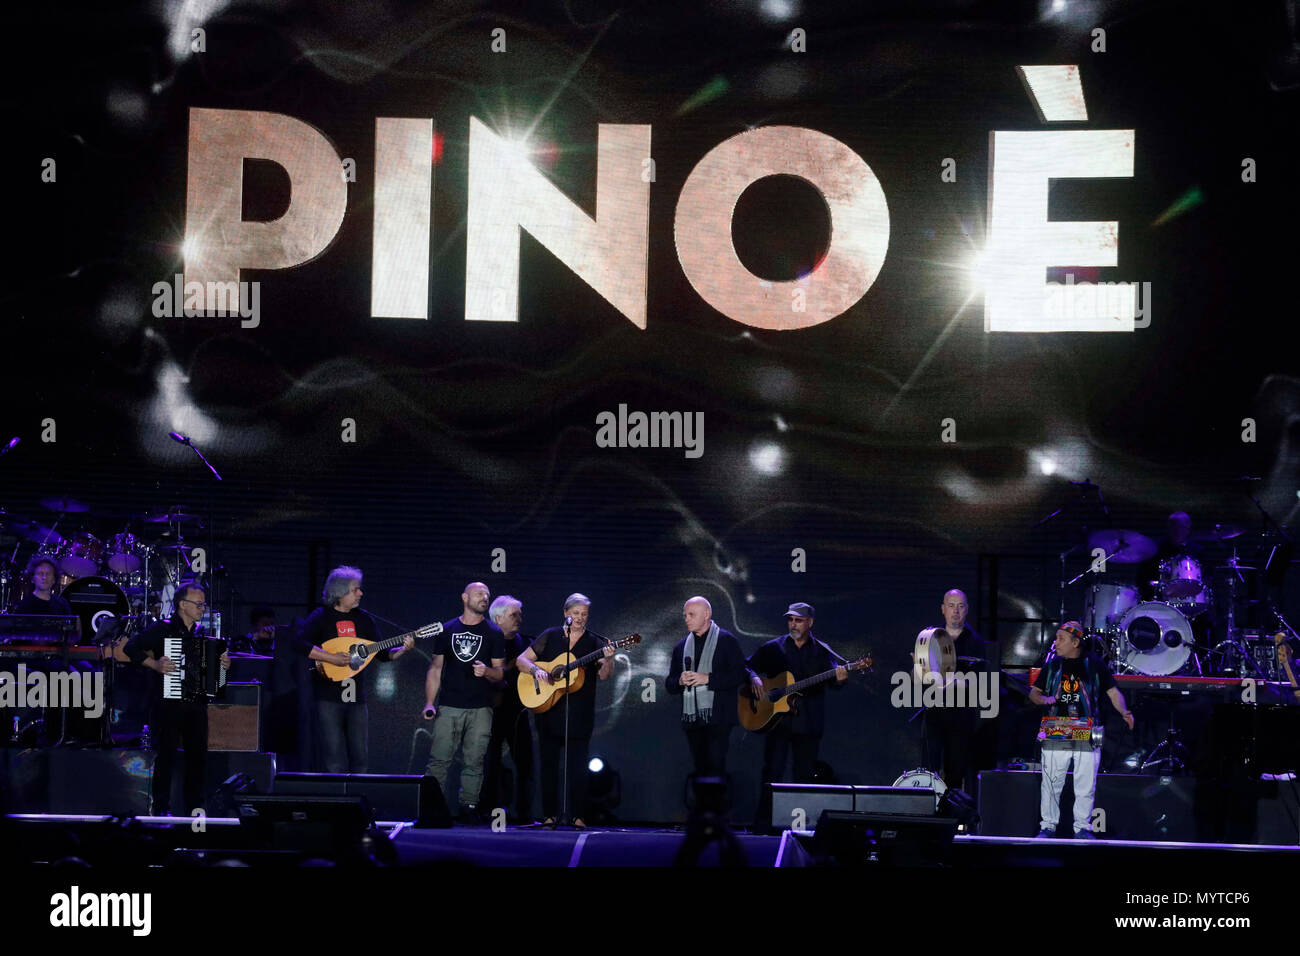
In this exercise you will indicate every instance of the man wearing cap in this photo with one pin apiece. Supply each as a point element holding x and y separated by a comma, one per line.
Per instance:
<point>800,733</point>
<point>1075,679</point>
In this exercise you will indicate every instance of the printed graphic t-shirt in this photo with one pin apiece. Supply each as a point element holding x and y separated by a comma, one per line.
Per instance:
<point>460,645</point>
<point>325,624</point>
<point>1072,690</point>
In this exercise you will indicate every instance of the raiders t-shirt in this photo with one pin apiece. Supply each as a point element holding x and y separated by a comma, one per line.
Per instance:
<point>460,645</point>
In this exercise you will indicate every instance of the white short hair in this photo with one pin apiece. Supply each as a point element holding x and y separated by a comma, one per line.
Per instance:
<point>499,607</point>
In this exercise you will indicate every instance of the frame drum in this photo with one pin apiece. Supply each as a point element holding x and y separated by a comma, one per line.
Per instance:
<point>934,653</point>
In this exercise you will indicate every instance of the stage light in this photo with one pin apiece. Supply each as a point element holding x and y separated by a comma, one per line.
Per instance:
<point>778,10</point>
<point>1047,466</point>
<point>189,249</point>
<point>767,458</point>
<point>604,791</point>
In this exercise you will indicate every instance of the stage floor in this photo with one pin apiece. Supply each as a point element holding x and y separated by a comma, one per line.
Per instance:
<point>116,842</point>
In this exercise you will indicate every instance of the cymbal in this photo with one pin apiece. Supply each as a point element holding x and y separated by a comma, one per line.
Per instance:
<point>1220,532</point>
<point>171,517</point>
<point>65,506</point>
<point>39,533</point>
<point>1123,547</point>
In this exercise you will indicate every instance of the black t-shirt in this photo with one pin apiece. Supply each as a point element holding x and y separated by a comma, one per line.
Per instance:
<point>1072,688</point>
<point>460,645</point>
<point>507,698</point>
<point>325,624</point>
<point>783,654</point>
<point>152,639</point>
<point>31,604</point>
<point>550,644</point>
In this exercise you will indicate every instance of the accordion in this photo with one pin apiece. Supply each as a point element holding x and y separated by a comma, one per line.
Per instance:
<point>201,669</point>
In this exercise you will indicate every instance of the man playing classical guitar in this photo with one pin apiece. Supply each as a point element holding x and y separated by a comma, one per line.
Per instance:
<point>708,686</point>
<point>341,714</point>
<point>1076,680</point>
<point>803,655</point>
<point>572,640</point>
<point>466,683</point>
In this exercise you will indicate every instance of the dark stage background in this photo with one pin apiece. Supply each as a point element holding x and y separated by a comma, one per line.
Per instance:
<point>472,436</point>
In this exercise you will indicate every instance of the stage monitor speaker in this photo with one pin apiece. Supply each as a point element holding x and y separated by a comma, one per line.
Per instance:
<point>857,839</point>
<point>325,826</point>
<point>906,801</point>
<point>393,796</point>
<point>234,720</point>
<point>803,803</point>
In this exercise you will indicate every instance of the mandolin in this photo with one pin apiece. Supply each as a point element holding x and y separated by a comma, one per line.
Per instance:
<point>761,712</point>
<point>363,652</point>
<point>539,697</point>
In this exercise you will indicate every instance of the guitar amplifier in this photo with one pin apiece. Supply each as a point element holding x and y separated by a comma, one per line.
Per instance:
<point>233,723</point>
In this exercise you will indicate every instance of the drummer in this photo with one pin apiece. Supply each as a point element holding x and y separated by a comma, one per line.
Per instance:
<point>1176,542</point>
<point>41,574</point>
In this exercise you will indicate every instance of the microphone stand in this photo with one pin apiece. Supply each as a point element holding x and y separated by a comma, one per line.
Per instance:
<point>564,794</point>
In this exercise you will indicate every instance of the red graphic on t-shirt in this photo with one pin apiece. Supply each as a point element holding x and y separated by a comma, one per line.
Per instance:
<point>346,629</point>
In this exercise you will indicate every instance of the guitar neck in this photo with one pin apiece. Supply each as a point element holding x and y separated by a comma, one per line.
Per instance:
<point>810,681</point>
<point>392,641</point>
<point>584,661</point>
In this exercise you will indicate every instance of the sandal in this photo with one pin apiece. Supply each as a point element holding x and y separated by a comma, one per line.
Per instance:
<point>549,823</point>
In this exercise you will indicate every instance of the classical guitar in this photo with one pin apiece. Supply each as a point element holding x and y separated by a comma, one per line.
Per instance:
<point>761,712</point>
<point>539,696</point>
<point>363,652</point>
<point>1284,658</point>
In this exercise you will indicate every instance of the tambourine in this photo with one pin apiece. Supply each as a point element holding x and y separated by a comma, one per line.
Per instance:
<point>935,653</point>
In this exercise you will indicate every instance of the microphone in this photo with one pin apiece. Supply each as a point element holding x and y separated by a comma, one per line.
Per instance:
<point>686,664</point>
<point>13,442</point>
<point>568,621</point>
<point>177,436</point>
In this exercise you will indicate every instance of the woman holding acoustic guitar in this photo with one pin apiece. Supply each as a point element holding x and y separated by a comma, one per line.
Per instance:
<point>554,646</point>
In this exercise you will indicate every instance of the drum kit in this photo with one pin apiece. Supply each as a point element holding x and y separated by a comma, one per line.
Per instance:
<point>118,580</point>
<point>1172,633</point>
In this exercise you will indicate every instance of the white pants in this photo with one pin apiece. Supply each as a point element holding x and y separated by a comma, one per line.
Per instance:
<point>1056,763</point>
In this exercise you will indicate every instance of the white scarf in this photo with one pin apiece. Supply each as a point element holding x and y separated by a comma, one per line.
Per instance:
<point>697,702</point>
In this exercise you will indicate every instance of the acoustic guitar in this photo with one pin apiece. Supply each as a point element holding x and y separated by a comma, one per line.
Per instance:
<point>762,711</point>
<point>539,696</point>
<point>363,652</point>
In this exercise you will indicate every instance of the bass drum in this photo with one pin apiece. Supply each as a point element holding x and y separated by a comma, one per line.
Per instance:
<point>100,604</point>
<point>1154,639</point>
<point>923,779</point>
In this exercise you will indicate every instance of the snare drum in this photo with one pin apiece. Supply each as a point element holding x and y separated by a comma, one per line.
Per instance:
<point>79,556</point>
<point>122,556</point>
<point>1104,605</point>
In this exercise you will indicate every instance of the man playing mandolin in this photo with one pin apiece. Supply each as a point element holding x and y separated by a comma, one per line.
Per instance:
<point>804,656</point>
<point>341,715</point>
